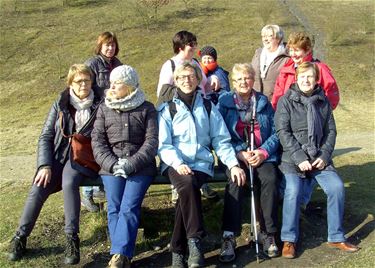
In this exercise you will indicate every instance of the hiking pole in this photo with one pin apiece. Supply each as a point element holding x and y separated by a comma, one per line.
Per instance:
<point>250,147</point>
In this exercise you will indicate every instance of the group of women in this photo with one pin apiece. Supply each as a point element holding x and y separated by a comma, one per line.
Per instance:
<point>286,94</point>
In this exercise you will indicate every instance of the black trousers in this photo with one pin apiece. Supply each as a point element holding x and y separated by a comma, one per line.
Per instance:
<point>188,211</point>
<point>266,196</point>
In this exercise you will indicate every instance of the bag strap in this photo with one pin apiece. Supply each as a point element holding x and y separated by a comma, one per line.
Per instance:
<point>61,116</point>
<point>173,65</point>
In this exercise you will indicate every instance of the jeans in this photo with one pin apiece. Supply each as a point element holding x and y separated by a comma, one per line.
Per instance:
<point>188,221</point>
<point>70,180</point>
<point>332,186</point>
<point>308,188</point>
<point>124,197</point>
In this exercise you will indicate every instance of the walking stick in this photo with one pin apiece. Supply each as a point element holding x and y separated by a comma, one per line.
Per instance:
<point>250,147</point>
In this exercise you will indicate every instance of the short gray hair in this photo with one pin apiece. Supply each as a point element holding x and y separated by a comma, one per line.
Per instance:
<point>276,31</point>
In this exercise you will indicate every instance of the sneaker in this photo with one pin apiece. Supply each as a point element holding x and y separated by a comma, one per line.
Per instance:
<point>196,258</point>
<point>99,194</point>
<point>72,255</point>
<point>174,196</point>
<point>207,192</point>
<point>119,261</point>
<point>178,260</point>
<point>269,245</point>
<point>227,252</point>
<point>17,247</point>
<point>289,250</point>
<point>89,204</point>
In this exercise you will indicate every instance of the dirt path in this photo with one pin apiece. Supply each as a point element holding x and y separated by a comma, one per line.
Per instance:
<point>319,48</point>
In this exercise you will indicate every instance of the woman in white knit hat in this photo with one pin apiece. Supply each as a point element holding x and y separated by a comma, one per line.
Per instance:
<point>125,143</point>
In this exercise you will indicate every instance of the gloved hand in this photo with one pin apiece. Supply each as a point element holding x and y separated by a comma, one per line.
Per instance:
<point>123,168</point>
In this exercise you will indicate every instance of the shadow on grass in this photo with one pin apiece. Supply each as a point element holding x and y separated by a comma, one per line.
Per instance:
<point>342,151</point>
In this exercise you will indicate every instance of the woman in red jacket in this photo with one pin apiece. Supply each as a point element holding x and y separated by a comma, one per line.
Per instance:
<point>300,50</point>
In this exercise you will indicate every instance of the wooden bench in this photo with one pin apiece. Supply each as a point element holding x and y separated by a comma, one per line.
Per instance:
<point>160,179</point>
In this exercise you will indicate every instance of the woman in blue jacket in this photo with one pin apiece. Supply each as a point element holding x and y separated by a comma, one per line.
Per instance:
<point>237,109</point>
<point>187,130</point>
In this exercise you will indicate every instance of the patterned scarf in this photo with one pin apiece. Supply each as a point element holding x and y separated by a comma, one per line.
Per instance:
<point>82,107</point>
<point>245,109</point>
<point>130,102</point>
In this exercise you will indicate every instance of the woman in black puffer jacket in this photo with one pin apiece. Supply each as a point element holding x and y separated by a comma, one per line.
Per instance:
<point>125,143</point>
<point>74,111</point>
<point>307,132</point>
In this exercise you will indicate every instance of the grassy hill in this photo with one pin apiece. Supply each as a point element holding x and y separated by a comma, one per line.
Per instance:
<point>39,40</point>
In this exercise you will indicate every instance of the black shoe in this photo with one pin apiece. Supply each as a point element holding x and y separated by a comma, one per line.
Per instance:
<point>196,258</point>
<point>17,247</point>
<point>178,260</point>
<point>72,255</point>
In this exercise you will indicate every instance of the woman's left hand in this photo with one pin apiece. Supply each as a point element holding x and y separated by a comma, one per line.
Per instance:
<point>319,164</point>
<point>214,83</point>
<point>257,158</point>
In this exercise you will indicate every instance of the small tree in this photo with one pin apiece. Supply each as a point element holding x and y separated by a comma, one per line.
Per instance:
<point>154,5</point>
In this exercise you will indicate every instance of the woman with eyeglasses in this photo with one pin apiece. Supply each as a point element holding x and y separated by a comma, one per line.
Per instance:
<point>238,109</point>
<point>72,112</point>
<point>185,47</point>
<point>104,61</point>
<point>269,59</point>
<point>185,139</point>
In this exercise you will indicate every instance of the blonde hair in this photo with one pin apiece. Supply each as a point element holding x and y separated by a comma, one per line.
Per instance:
<point>77,69</point>
<point>303,67</point>
<point>239,68</point>
<point>188,65</point>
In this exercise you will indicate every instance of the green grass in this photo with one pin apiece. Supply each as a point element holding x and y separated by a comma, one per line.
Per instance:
<point>41,39</point>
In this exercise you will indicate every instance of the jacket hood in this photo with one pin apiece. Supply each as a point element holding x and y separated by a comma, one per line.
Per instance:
<point>226,100</point>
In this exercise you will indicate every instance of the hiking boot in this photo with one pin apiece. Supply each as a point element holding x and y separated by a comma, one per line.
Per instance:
<point>119,261</point>
<point>72,255</point>
<point>196,258</point>
<point>289,250</point>
<point>178,260</point>
<point>174,196</point>
<point>269,245</point>
<point>207,192</point>
<point>227,252</point>
<point>17,247</point>
<point>89,204</point>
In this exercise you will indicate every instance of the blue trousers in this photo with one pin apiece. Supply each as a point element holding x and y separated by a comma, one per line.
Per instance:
<point>332,186</point>
<point>124,197</point>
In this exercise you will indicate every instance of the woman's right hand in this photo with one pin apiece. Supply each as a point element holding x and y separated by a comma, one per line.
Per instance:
<point>184,170</point>
<point>305,166</point>
<point>43,177</point>
<point>244,156</point>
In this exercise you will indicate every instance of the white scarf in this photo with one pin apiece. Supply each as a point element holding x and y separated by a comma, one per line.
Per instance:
<point>82,107</point>
<point>266,58</point>
<point>129,102</point>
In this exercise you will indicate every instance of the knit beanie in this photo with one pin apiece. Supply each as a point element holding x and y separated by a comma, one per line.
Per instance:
<point>125,73</point>
<point>208,50</point>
